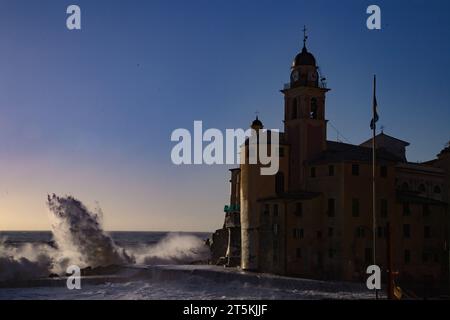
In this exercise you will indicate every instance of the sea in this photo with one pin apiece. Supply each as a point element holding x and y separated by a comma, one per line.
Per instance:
<point>181,285</point>
<point>121,238</point>
<point>134,265</point>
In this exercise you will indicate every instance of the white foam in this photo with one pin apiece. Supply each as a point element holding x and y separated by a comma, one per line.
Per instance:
<point>80,240</point>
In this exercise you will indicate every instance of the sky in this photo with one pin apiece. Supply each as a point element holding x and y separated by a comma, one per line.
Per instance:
<point>89,112</point>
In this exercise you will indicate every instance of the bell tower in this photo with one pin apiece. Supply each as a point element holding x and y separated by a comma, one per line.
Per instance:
<point>304,115</point>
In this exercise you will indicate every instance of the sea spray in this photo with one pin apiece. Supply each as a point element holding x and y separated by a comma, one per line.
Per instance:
<point>80,239</point>
<point>79,236</point>
<point>25,262</point>
<point>173,249</point>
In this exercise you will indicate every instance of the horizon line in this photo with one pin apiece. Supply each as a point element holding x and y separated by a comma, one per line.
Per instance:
<point>167,231</point>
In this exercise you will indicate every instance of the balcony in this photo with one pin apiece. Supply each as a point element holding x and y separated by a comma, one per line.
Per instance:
<point>231,208</point>
<point>321,84</point>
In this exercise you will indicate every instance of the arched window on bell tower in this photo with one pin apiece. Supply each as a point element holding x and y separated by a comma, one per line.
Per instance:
<point>314,109</point>
<point>294,111</point>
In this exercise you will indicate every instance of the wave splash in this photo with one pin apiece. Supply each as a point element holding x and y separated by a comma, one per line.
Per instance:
<point>79,235</point>
<point>79,239</point>
<point>173,249</point>
<point>27,262</point>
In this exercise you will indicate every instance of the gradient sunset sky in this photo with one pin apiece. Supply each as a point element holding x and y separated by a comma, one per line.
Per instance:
<point>90,113</point>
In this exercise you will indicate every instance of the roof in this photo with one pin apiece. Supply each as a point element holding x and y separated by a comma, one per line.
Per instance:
<point>339,151</point>
<point>304,58</point>
<point>411,196</point>
<point>445,150</point>
<point>386,136</point>
<point>429,162</point>
<point>419,167</point>
<point>441,153</point>
<point>301,195</point>
<point>257,122</point>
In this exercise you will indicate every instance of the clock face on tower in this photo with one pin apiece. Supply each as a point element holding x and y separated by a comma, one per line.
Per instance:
<point>295,76</point>
<point>312,76</point>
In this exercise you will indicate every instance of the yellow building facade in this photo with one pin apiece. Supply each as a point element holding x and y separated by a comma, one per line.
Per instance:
<point>314,218</point>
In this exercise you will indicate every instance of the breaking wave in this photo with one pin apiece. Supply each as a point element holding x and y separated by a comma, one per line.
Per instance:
<point>26,262</point>
<point>79,239</point>
<point>79,235</point>
<point>173,249</point>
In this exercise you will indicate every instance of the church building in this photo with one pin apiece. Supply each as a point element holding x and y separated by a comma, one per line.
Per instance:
<point>314,217</point>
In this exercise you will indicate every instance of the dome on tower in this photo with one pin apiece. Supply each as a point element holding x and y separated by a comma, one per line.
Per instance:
<point>257,124</point>
<point>304,58</point>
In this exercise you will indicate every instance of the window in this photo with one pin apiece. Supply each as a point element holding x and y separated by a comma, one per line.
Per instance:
<point>406,209</point>
<point>275,210</point>
<point>330,232</point>
<point>427,232</point>
<point>298,253</point>
<point>319,234</point>
<point>425,256</point>
<point>407,256</point>
<point>313,172</point>
<point>279,183</point>
<point>437,189</point>
<point>281,152</point>
<point>355,207</point>
<point>331,207</point>
<point>299,209</point>
<point>381,232</point>
<point>331,170</point>
<point>313,114</point>
<point>294,109</point>
<point>355,169</point>
<point>275,229</point>
<point>360,232</point>
<point>422,188</point>
<point>297,233</point>
<point>406,231</point>
<point>266,209</point>
<point>383,171</point>
<point>384,208</point>
<point>405,186</point>
<point>426,210</point>
<point>319,259</point>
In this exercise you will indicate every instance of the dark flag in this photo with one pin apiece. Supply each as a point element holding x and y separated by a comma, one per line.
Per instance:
<point>373,127</point>
<point>374,107</point>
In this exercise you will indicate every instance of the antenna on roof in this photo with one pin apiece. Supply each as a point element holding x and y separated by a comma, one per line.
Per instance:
<point>338,134</point>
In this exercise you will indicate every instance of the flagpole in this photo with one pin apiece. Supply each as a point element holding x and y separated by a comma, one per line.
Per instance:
<point>373,176</point>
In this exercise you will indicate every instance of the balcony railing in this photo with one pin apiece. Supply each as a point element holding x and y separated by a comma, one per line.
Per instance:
<point>321,84</point>
<point>231,208</point>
